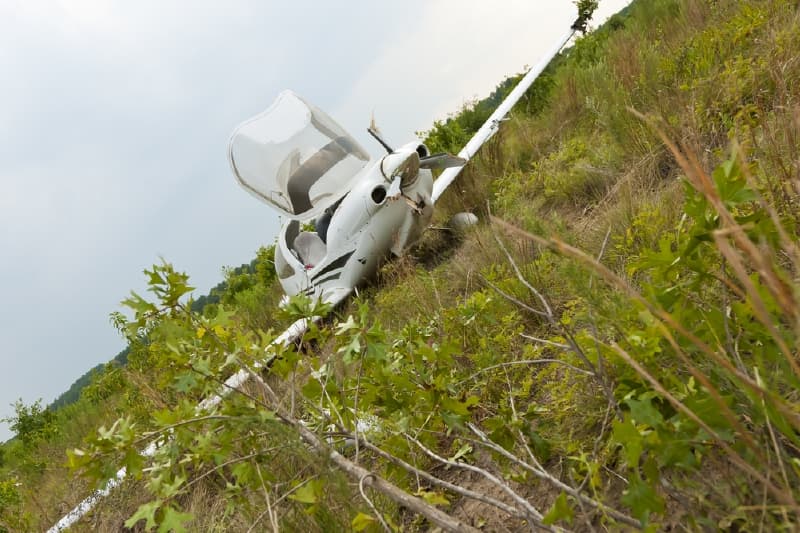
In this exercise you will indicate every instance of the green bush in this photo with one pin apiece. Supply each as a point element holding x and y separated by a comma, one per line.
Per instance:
<point>32,423</point>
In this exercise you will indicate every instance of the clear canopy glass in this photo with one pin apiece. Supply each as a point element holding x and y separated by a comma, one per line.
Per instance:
<point>295,157</point>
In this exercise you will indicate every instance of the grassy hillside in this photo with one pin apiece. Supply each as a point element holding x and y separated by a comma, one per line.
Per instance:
<point>614,346</point>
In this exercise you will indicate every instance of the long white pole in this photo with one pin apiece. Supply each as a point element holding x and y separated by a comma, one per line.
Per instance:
<point>492,124</point>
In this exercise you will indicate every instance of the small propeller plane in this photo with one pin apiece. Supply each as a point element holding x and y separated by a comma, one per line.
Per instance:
<point>295,158</point>
<point>345,212</point>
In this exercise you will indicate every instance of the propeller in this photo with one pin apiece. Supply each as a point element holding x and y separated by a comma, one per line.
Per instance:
<point>376,133</point>
<point>406,165</point>
<point>433,161</point>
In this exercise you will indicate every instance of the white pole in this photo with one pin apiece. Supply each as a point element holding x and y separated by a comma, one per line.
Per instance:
<point>492,124</point>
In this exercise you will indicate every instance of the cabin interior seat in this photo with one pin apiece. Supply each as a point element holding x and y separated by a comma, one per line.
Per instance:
<point>310,248</point>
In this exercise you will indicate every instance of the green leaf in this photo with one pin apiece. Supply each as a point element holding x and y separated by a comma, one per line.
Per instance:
<point>174,520</point>
<point>265,415</point>
<point>455,406</point>
<point>464,450</point>
<point>139,304</point>
<point>501,434</point>
<point>711,413</point>
<point>453,421</point>
<point>155,277</point>
<point>348,325</point>
<point>561,510</point>
<point>677,449</point>
<point>308,493</point>
<point>643,412</point>
<point>243,472</point>
<point>166,417</point>
<point>351,351</point>
<point>642,499</point>
<point>146,512</point>
<point>312,389</point>
<point>362,521</point>
<point>77,458</point>
<point>229,360</point>
<point>433,498</point>
<point>133,462</point>
<point>625,434</point>
<point>169,490</point>
<point>185,381</point>
<point>541,447</point>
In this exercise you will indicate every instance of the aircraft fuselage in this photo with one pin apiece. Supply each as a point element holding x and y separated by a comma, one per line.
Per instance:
<point>384,213</point>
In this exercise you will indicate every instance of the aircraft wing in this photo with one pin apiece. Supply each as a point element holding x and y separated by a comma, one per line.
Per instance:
<point>492,124</point>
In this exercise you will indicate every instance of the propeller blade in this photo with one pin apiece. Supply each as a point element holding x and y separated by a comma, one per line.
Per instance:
<point>442,161</point>
<point>376,133</point>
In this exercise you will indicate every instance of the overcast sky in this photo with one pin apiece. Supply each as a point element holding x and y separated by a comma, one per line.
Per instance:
<point>114,122</point>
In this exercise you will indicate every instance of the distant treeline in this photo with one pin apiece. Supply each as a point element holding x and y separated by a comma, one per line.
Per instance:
<point>74,392</point>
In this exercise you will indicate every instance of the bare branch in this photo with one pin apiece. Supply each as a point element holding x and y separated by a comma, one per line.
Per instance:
<point>547,309</point>
<point>531,511</point>
<point>573,344</point>
<point>541,473</point>
<point>267,512</point>
<point>512,299</point>
<point>442,483</point>
<point>372,505</point>
<point>270,512</point>
<point>399,496</point>
<point>545,341</point>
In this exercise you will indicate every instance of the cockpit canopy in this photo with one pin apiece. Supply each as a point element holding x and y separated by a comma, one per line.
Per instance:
<point>295,157</point>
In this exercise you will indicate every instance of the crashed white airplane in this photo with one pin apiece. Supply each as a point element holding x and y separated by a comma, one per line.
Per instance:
<point>298,160</point>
